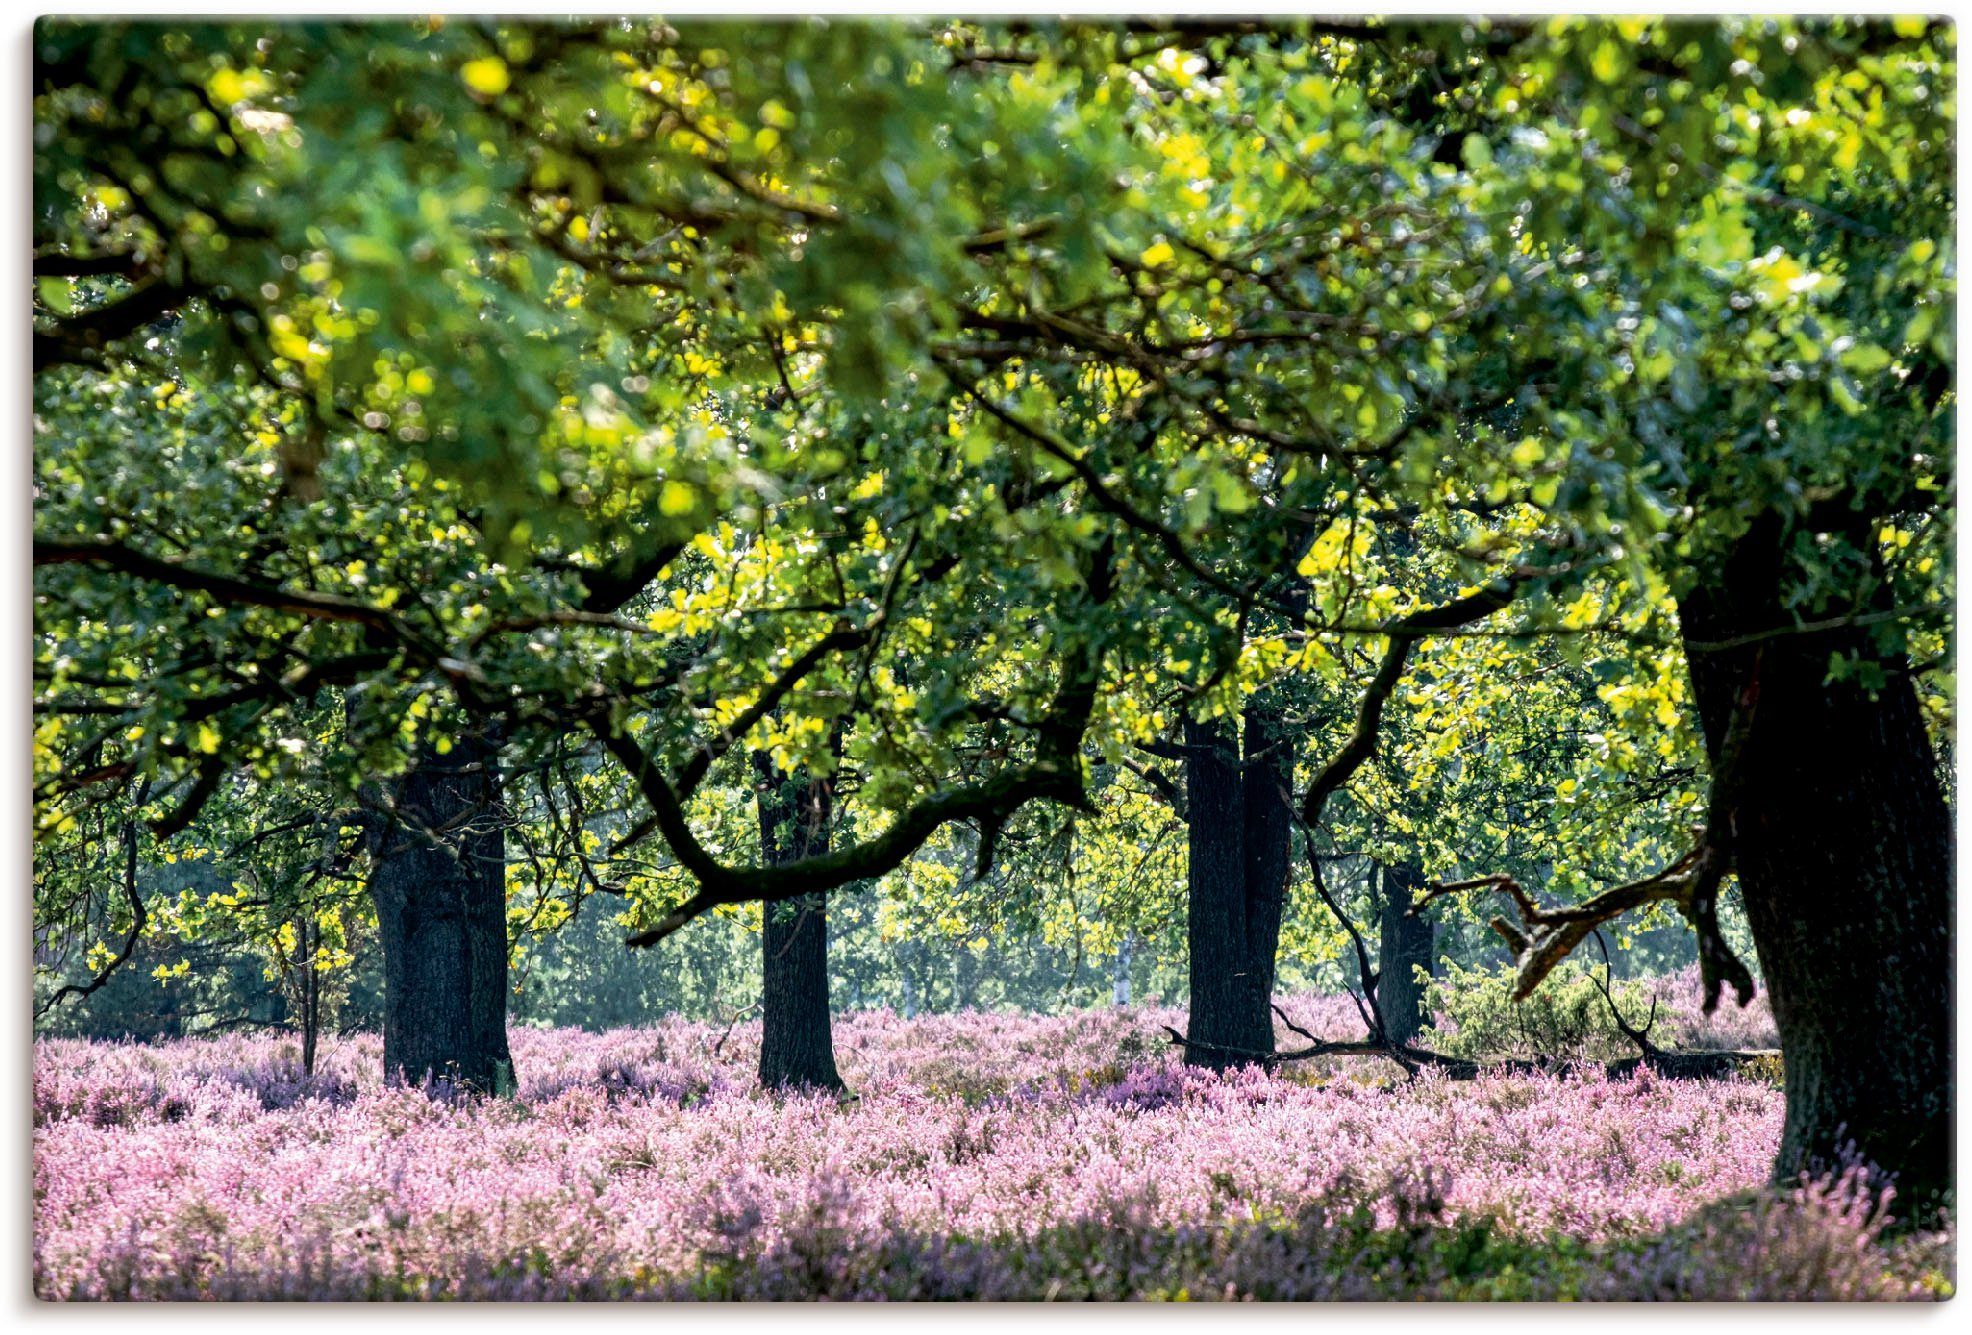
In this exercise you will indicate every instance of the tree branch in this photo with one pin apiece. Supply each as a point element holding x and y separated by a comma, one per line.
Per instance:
<point>1404,633</point>
<point>1055,773</point>
<point>80,338</point>
<point>220,587</point>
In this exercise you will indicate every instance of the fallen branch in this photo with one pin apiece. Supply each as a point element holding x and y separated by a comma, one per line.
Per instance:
<point>1666,1065</point>
<point>1367,1047</point>
<point>1671,1065</point>
<point>1603,984</point>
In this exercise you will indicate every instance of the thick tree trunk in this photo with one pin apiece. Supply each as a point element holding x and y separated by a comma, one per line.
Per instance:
<point>1842,842</point>
<point>1231,981</point>
<point>1405,946</point>
<point>797,1048</point>
<point>1267,803</point>
<point>439,882</point>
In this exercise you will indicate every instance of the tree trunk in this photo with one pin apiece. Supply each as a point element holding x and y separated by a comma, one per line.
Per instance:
<point>439,882</point>
<point>1842,842</point>
<point>1230,1024</point>
<point>1405,946</point>
<point>965,973</point>
<point>309,941</point>
<point>797,1049</point>
<point>1120,971</point>
<point>1267,813</point>
<point>906,963</point>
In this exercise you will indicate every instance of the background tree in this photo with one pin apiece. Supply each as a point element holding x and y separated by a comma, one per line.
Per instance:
<point>796,1049</point>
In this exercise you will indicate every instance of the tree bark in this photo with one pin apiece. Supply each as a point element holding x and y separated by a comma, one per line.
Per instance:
<point>439,882</point>
<point>1842,843</point>
<point>1233,910</point>
<point>797,1047</point>
<point>1405,944</point>
<point>1267,808</point>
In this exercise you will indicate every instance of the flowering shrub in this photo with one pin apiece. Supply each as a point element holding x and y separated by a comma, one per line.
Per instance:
<point>986,1156</point>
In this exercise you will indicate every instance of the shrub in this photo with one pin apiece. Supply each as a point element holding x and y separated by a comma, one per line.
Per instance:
<point>1565,1020</point>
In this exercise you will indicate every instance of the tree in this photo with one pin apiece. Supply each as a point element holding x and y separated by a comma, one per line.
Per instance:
<point>1842,843</point>
<point>1239,843</point>
<point>796,1049</point>
<point>1804,490</point>
<point>440,886</point>
<point>1404,941</point>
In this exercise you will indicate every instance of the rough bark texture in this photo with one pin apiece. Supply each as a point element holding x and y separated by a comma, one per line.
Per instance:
<point>1238,840</point>
<point>1405,945</point>
<point>797,1047</point>
<point>1267,802</point>
<point>1843,847</point>
<point>439,882</point>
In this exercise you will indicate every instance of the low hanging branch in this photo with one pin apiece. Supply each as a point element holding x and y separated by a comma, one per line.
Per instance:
<point>1546,936</point>
<point>1054,773</point>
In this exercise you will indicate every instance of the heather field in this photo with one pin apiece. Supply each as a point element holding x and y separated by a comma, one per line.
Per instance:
<point>1109,657</point>
<point>984,1156</point>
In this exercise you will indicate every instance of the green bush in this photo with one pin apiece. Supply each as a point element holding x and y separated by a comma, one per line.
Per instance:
<point>1566,1018</point>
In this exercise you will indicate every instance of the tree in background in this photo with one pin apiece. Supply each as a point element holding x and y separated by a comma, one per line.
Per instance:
<point>796,1049</point>
<point>440,887</point>
<point>1404,956</point>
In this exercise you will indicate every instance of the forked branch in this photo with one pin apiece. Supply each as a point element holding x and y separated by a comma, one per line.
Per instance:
<point>1691,883</point>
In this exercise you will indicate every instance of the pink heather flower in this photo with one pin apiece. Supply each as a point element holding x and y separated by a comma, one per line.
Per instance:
<point>984,1155</point>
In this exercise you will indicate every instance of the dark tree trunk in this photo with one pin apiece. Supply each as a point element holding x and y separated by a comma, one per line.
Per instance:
<point>1843,846</point>
<point>439,882</point>
<point>797,1049</point>
<point>1232,937</point>
<point>1267,801</point>
<point>1405,946</point>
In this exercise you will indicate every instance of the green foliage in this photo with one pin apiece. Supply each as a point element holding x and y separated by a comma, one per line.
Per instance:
<point>1566,1018</point>
<point>991,398</point>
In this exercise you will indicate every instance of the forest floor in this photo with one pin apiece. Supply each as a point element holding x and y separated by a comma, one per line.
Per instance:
<point>984,1156</point>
